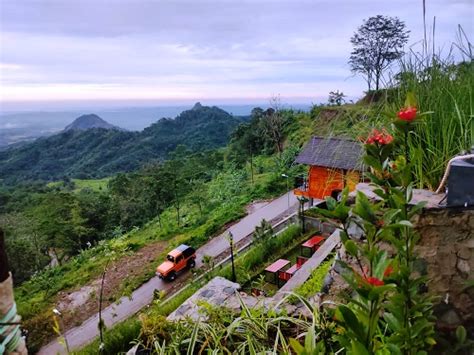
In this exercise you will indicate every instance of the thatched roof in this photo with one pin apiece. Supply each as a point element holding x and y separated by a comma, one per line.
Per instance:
<point>332,153</point>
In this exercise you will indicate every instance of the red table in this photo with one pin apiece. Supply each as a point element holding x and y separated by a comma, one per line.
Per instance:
<point>271,272</point>
<point>312,244</point>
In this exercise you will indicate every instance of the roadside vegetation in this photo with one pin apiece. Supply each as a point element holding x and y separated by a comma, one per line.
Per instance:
<point>248,265</point>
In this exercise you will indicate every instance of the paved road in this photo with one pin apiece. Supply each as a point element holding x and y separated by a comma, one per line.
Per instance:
<point>142,296</point>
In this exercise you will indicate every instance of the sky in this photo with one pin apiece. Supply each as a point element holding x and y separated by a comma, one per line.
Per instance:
<point>61,53</point>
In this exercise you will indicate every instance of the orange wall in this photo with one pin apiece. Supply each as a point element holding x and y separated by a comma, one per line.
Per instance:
<point>322,181</point>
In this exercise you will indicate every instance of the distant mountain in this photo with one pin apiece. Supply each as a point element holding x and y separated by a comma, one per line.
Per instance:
<point>85,122</point>
<point>98,152</point>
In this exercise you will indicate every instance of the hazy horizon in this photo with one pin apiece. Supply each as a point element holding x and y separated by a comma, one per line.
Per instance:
<point>84,105</point>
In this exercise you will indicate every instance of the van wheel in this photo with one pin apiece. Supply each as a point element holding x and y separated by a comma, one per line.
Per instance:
<point>172,276</point>
<point>191,263</point>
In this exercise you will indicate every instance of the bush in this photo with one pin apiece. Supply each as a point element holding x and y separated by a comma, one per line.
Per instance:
<point>315,282</point>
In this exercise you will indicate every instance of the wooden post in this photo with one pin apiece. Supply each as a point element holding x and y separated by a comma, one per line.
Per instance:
<point>7,302</point>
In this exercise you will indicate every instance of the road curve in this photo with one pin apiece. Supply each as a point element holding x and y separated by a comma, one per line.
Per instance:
<point>126,307</point>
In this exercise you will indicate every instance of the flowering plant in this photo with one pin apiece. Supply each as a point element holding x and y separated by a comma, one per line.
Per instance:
<point>389,314</point>
<point>407,114</point>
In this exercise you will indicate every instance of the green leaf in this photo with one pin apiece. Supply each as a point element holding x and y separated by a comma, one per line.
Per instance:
<point>297,347</point>
<point>392,321</point>
<point>358,348</point>
<point>375,292</point>
<point>352,322</point>
<point>461,334</point>
<point>331,203</point>
<point>351,247</point>
<point>410,100</point>
<point>372,162</point>
<point>409,192</point>
<point>363,208</point>
<point>309,339</point>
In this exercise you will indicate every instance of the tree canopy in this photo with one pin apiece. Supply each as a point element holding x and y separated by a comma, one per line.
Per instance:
<point>376,44</point>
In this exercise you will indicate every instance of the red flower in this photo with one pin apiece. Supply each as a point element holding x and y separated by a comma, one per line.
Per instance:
<point>407,114</point>
<point>388,271</point>
<point>379,137</point>
<point>374,281</point>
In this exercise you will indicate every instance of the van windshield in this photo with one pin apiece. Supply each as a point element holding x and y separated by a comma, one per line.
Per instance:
<point>170,258</point>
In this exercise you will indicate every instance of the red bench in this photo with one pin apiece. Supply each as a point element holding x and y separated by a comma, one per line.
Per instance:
<point>284,276</point>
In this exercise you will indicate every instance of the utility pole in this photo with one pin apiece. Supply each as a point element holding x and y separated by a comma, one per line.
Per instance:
<point>11,341</point>
<point>287,189</point>
<point>231,242</point>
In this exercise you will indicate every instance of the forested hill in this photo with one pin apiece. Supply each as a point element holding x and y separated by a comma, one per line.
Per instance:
<point>86,122</point>
<point>100,152</point>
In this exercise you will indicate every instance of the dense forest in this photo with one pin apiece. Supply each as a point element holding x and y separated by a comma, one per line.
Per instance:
<point>96,153</point>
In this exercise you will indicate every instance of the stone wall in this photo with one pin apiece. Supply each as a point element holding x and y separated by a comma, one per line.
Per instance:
<point>446,249</point>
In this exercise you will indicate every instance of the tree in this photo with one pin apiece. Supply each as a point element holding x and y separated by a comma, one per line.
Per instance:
<point>263,232</point>
<point>273,124</point>
<point>377,43</point>
<point>336,97</point>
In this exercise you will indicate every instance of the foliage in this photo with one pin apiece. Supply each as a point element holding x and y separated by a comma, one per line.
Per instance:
<point>444,91</point>
<point>96,153</point>
<point>377,43</point>
<point>389,312</point>
<point>315,281</point>
<point>125,192</point>
<point>336,98</point>
<point>263,232</point>
<point>116,339</point>
<point>253,331</point>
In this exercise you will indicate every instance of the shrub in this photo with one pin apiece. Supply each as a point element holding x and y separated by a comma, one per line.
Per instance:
<point>315,282</point>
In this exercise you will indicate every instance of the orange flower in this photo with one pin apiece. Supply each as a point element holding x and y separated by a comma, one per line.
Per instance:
<point>407,114</point>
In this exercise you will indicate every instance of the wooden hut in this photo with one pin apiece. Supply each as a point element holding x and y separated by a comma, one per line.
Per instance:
<point>334,163</point>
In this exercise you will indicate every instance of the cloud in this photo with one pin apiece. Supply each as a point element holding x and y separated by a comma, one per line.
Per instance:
<point>164,49</point>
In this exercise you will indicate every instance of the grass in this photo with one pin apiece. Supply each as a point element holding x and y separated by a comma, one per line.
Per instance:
<point>445,95</point>
<point>80,184</point>
<point>116,339</point>
<point>446,92</point>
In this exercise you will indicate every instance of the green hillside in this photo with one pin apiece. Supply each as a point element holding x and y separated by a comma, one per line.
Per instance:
<point>96,153</point>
